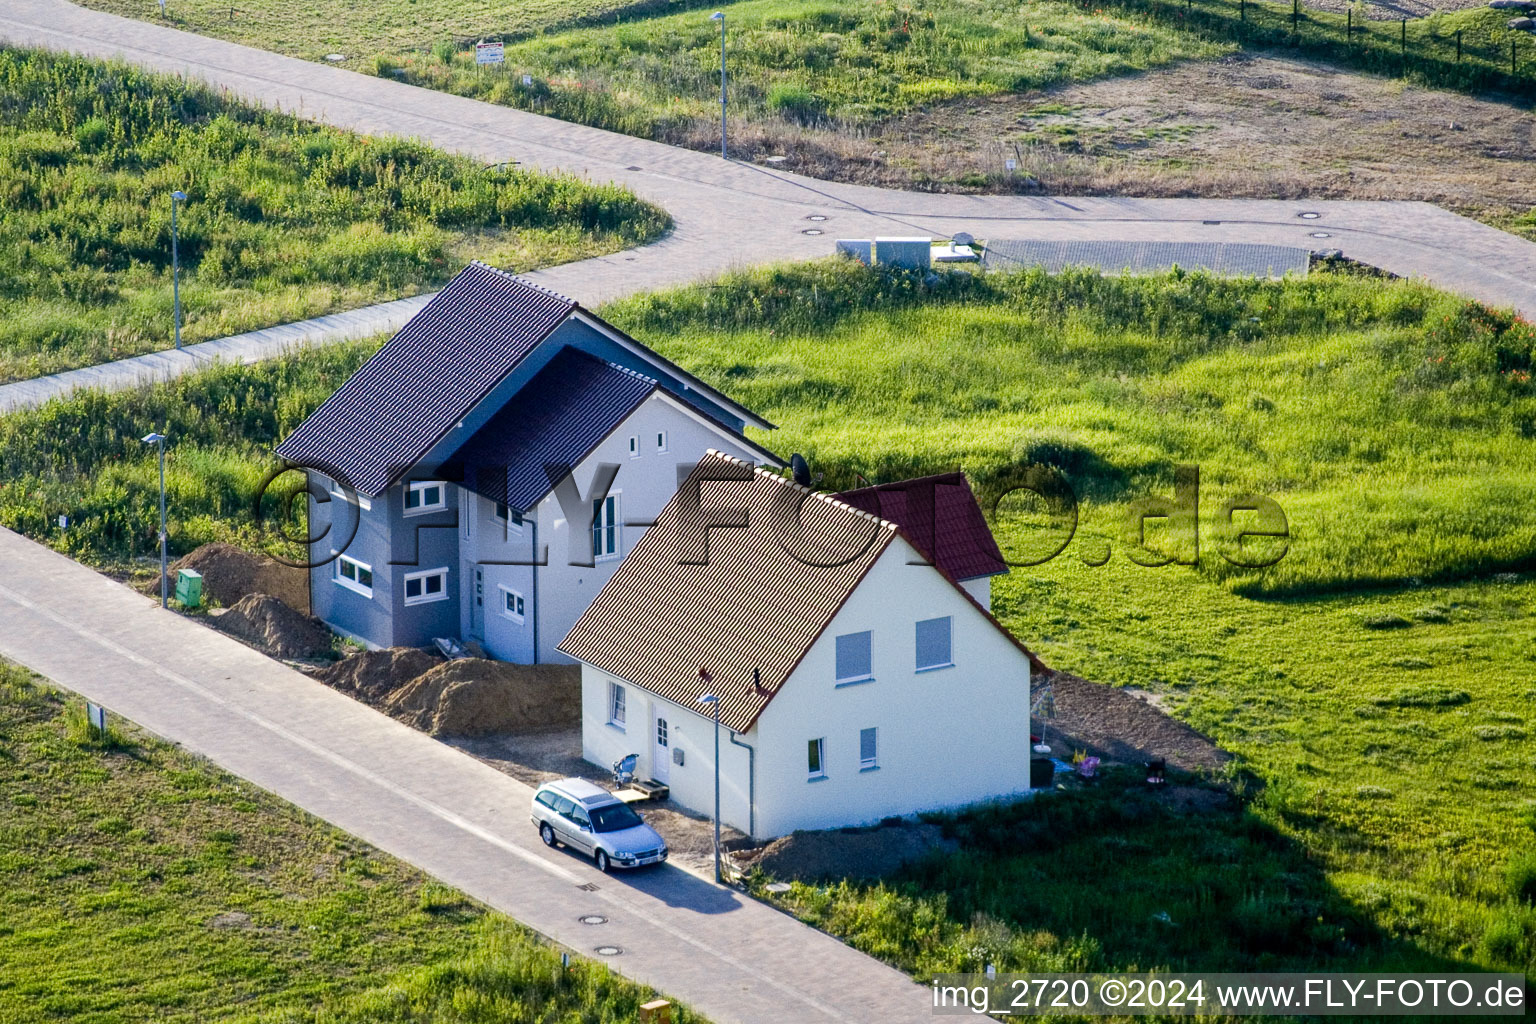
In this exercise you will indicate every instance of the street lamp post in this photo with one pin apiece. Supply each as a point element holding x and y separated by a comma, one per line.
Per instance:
<point>713,701</point>
<point>158,440</point>
<point>720,17</point>
<point>176,197</point>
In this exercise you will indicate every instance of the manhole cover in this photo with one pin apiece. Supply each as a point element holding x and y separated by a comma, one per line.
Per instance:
<point>607,950</point>
<point>592,919</point>
<point>811,231</point>
<point>1320,234</point>
<point>817,217</point>
<point>777,887</point>
<point>1309,215</point>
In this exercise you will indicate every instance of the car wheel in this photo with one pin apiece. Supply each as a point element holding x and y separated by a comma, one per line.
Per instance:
<point>602,861</point>
<point>547,834</point>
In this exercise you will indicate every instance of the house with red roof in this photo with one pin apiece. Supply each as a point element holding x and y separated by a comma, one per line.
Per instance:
<point>855,675</point>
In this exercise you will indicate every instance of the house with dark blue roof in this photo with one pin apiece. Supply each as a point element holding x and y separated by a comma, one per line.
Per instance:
<point>482,475</point>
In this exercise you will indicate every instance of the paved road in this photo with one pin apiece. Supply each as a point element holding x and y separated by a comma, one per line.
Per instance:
<point>238,348</point>
<point>731,214</point>
<point>730,957</point>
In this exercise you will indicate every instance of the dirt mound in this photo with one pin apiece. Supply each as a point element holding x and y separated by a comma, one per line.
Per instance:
<point>850,853</point>
<point>231,573</point>
<point>1121,726</point>
<point>269,623</point>
<point>372,676</point>
<point>473,697</point>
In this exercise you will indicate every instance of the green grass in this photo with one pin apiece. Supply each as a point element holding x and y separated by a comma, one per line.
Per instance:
<point>651,68</point>
<point>1377,682</point>
<point>144,885</point>
<point>284,219</point>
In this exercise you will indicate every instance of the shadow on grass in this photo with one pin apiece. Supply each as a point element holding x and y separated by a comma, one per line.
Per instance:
<point>1115,875</point>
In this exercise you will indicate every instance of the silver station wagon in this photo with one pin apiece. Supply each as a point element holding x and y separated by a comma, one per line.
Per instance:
<point>588,818</point>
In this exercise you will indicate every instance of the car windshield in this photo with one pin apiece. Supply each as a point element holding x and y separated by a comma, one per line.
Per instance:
<point>614,818</point>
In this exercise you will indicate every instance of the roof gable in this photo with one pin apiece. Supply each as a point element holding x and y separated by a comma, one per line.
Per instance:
<point>426,378</point>
<point>752,605</point>
<point>556,419</point>
<point>939,516</point>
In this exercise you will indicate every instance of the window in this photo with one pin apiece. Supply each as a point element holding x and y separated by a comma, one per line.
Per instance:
<point>565,806</point>
<point>661,440</point>
<point>933,647</point>
<point>868,743</point>
<point>634,447</point>
<point>853,664</point>
<point>579,817</point>
<point>616,705</point>
<point>512,604</point>
<point>354,575</point>
<point>507,517</point>
<point>815,761</point>
<point>427,586</point>
<point>425,496</point>
<point>614,818</point>
<point>605,527</point>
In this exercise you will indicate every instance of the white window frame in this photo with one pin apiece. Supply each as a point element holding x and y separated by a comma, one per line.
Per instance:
<point>820,771</point>
<point>938,665</point>
<point>867,764</point>
<point>506,592</point>
<point>634,446</point>
<point>867,677</point>
<point>366,589</point>
<point>661,441</point>
<point>617,700</point>
<point>511,520</point>
<point>424,597</point>
<point>618,529</point>
<point>421,486</point>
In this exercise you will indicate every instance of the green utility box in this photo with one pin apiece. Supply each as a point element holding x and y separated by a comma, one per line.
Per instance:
<point>189,588</point>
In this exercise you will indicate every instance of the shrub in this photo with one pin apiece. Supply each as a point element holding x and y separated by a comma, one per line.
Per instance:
<point>1385,621</point>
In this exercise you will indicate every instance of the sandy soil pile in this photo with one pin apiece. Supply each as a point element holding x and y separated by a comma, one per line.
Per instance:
<point>473,697</point>
<point>849,853</point>
<point>1121,726</point>
<point>373,676</point>
<point>231,573</point>
<point>269,623</point>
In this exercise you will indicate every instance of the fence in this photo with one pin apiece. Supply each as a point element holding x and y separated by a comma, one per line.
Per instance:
<point>1471,51</point>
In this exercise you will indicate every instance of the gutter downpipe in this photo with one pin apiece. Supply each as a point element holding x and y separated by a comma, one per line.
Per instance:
<point>751,784</point>
<point>534,561</point>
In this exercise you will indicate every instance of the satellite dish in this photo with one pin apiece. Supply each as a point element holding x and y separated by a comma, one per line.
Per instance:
<point>799,470</point>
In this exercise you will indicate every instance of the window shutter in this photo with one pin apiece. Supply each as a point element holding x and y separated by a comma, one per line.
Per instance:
<point>853,655</point>
<point>933,646</point>
<point>866,747</point>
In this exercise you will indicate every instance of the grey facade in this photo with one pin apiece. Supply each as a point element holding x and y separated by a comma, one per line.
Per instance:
<point>458,528</point>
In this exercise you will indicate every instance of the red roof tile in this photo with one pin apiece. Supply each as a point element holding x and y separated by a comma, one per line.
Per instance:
<point>939,516</point>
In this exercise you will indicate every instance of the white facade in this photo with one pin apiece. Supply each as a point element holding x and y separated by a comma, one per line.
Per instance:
<point>943,737</point>
<point>659,436</point>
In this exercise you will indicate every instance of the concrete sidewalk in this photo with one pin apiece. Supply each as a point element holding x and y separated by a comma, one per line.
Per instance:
<point>728,956</point>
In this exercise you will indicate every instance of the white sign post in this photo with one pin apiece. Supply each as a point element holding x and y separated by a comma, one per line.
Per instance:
<point>490,53</point>
<point>96,717</point>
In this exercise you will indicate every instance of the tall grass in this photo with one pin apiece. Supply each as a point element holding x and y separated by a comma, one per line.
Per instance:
<point>284,219</point>
<point>1117,381</point>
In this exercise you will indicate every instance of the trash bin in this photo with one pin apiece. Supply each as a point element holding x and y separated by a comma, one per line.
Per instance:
<point>189,588</point>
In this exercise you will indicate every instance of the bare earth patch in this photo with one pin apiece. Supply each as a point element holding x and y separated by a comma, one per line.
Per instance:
<point>1123,726</point>
<point>1250,125</point>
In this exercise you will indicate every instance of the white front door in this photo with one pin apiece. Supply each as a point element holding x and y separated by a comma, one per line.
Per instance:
<point>661,747</point>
